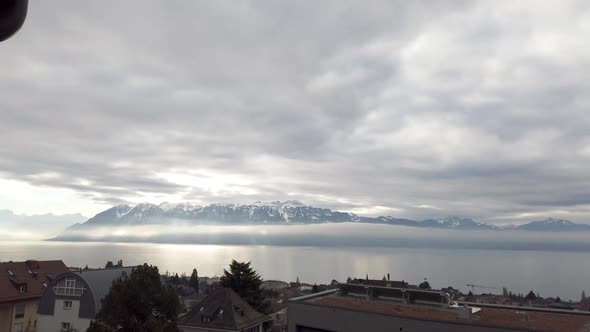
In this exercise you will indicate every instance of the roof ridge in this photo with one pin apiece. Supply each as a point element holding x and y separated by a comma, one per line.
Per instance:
<point>230,303</point>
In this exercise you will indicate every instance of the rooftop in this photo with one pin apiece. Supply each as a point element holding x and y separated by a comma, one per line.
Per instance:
<point>26,280</point>
<point>100,281</point>
<point>223,309</point>
<point>431,306</point>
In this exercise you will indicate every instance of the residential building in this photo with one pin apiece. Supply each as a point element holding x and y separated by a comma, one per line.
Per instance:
<point>354,308</point>
<point>381,283</point>
<point>274,285</point>
<point>223,310</point>
<point>21,286</point>
<point>73,299</point>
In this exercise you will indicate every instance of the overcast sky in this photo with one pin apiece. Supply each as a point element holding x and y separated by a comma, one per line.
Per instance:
<point>407,108</point>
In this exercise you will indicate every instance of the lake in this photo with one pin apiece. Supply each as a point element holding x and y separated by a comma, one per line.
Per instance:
<point>559,273</point>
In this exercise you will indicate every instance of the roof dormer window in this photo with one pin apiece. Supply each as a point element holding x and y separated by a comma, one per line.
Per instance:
<point>68,286</point>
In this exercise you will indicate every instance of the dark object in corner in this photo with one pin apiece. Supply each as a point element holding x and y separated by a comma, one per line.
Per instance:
<point>12,17</point>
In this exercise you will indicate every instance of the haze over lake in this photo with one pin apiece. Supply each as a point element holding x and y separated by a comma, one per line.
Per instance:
<point>336,234</point>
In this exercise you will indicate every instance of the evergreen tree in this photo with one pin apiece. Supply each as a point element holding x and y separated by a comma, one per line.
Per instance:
<point>504,292</point>
<point>109,265</point>
<point>531,296</point>
<point>314,288</point>
<point>242,278</point>
<point>424,285</point>
<point>140,302</point>
<point>194,281</point>
<point>98,326</point>
<point>583,296</point>
<point>557,300</point>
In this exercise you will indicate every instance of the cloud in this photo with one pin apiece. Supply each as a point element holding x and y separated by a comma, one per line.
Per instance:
<point>475,108</point>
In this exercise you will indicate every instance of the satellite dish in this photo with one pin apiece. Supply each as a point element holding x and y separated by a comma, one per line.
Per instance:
<point>12,17</point>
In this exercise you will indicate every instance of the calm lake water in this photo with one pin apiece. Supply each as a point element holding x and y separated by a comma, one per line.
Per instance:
<point>563,274</point>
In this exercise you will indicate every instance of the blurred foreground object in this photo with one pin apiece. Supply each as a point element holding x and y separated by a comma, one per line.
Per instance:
<point>12,17</point>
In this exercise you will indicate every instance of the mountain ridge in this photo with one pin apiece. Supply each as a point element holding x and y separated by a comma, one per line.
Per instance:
<point>285,213</point>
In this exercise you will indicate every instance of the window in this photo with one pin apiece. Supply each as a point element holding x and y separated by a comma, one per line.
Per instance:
<point>22,288</point>
<point>68,287</point>
<point>10,273</point>
<point>19,311</point>
<point>71,283</point>
<point>65,326</point>
<point>67,305</point>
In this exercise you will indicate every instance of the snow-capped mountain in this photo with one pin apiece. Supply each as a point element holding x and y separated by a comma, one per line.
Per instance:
<point>447,222</point>
<point>288,212</point>
<point>285,213</point>
<point>551,224</point>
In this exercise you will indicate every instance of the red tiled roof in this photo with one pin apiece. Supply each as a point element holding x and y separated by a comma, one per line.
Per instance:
<point>34,287</point>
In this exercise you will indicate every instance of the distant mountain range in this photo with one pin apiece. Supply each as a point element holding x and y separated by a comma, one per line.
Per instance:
<point>19,226</point>
<point>285,213</point>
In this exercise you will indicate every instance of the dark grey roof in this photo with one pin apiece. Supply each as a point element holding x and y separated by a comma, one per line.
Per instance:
<point>100,281</point>
<point>223,309</point>
<point>17,281</point>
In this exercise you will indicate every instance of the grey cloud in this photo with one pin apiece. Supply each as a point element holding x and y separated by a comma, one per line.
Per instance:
<point>476,108</point>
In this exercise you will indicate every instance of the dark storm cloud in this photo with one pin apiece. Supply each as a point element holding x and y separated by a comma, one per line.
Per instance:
<point>416,109</point>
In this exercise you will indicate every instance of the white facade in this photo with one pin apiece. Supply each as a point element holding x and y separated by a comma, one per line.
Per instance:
<point>63,313</point>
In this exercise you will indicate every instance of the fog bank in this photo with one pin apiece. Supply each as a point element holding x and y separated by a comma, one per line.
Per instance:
<point>343,234</point>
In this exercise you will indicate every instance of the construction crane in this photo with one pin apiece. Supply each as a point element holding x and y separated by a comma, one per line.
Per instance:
<point>473,287</point>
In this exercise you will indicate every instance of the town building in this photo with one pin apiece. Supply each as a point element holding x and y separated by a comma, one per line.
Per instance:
<point>21,286</point>
<point>385,282</point>
<point>354,308</point>
<point>223,310</point>
<point>73,299</point>
<point>274,285</point>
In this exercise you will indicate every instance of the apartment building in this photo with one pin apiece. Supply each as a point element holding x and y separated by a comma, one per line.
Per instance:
<point>21,286</point>
<point>73,299</point>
